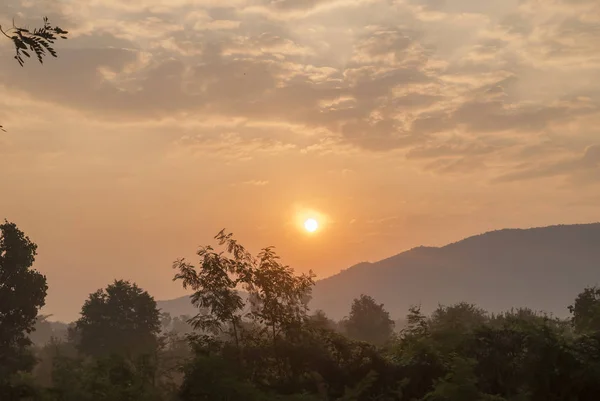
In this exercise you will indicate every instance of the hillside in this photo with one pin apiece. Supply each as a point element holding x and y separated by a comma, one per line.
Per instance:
<point>542,268</point>
<point>177,307</point>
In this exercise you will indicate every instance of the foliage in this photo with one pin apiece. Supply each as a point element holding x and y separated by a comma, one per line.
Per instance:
<point>586,310</point>
<point>277,298</point>
<point>22,294</point>
<point>110,378</point>
<point>121,319</point>
<point>319,320</point>
<point>369,321</point>
<point>215,285</point>
<point>265,347</point>
<point>459,384</point>
<point>39,41</point>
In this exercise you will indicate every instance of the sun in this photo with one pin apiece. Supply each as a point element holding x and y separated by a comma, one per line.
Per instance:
<point>311,225</point>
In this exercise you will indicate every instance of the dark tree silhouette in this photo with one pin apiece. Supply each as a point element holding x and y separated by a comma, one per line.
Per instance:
<point>369,321</point>
<point>22,294</point>
<point>38,41</point>
<point>121,319</point>
<point>586,310</point>
<point>277,298</point>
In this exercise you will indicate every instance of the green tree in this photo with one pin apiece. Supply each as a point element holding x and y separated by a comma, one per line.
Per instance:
<point>216,285</point>
<point>213,378</point>
<point>319,320</point>
<point>451,325</point>
<point>369,321</point>
<point>108,378</point>
<point>22,294</point>
<point>586,310</point>
<point>459,384</point>
<point>279,298</point>
<point>122,319</point>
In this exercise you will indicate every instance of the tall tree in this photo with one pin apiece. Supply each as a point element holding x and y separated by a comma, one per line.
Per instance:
<point>216,283</point>
<point>122,319</point>
<point>22,294</point>
<point>369,321</point>
<point>277,298</point>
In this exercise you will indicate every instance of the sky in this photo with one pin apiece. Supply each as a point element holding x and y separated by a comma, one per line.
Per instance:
<point>393,123</point>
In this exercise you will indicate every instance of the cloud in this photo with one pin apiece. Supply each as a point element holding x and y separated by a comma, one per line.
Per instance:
<point>581,168</point>
<point>456,86</point>
<point>257,183</point>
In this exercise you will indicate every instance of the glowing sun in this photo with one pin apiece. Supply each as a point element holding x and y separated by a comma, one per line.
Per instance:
<point>311,225</point>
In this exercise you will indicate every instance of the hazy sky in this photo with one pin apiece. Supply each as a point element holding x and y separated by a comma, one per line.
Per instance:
<point>396,123</point>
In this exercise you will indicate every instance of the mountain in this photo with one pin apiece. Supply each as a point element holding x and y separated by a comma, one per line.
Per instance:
<point>540,268</point>
<point>177,307</point>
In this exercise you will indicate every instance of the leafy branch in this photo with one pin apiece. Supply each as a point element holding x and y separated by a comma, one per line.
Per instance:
<point>39,42</point>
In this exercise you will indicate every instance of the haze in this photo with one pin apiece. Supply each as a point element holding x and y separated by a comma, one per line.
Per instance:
<point>400,123</point>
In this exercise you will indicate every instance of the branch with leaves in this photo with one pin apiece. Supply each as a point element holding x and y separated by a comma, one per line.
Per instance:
<point>276,296</point>
<point>38,42</point>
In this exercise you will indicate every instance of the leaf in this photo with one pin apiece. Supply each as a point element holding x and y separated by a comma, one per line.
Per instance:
<point>39,41</point>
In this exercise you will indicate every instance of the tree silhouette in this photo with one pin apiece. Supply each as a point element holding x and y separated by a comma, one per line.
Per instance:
<point>277,298</point>
<point>38,42</point>
<point>121,319</point>
<point>215,284</point>
<point>22,294</point>
<point>586,310</point>
<point>369,321</point>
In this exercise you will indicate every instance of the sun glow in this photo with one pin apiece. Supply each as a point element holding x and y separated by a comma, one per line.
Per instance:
<point>311,225</point>
<point>309,220</point>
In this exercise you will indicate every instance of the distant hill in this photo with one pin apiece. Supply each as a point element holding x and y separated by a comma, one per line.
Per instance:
<point>541,268</point>
<point>177,307</point>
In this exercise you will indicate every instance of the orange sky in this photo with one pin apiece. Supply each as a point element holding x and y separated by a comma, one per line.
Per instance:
<point>402,122</point>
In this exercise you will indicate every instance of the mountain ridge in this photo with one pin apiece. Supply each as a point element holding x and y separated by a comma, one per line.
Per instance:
<point>543,268</point>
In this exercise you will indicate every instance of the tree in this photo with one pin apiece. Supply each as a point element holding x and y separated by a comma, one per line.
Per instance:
<point>450,325</point>
<point>22,294</point>
<point>459,384</point>
<point>369,321</point>
<point>39,41</point>
<point>586,310</point>
<point>122,319</point>
<point>109,378</point>
<point>320,320</point>
<point>215,284</point>
<point>278,298</point>
<point>416,322</point>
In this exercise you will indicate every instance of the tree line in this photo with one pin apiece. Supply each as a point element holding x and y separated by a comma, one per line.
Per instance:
<point>255,339</point>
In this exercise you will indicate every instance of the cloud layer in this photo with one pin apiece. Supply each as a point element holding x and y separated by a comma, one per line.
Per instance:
<point>452,84</point>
